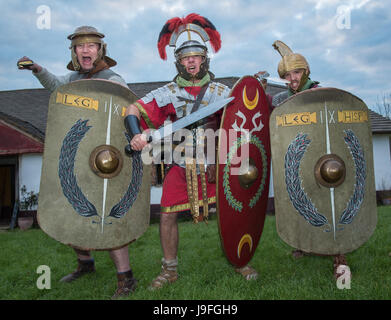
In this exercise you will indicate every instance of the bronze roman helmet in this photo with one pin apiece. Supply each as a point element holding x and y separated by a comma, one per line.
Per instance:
<point>86,34</point>
<point>291,61</point>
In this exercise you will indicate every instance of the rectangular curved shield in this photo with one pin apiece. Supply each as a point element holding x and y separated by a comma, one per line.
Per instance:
<point>92,196</point>
<point>323,174</point>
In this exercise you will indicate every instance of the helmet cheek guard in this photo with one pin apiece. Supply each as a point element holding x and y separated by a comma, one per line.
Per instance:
<point>204,68</point>
<point>74,61</point>
<point>192,48</point>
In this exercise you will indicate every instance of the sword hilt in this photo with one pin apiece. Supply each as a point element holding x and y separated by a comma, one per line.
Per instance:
<point>129,151</point>
<point>132,125</point>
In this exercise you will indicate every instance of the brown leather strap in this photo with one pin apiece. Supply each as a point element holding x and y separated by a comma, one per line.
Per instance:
<point>199,98</point>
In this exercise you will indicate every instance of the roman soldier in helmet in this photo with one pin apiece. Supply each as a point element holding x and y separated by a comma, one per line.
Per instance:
<point>187,186</point>
<point>294,68</point>
<point>88,61</point>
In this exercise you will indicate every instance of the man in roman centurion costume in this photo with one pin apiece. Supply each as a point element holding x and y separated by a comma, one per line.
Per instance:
<point>89,61</point>
<point>187,186</point>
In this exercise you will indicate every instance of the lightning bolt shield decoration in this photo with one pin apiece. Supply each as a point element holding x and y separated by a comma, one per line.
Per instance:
<point>92,196</point>
<point>323,174</point>
<point>243,171</point>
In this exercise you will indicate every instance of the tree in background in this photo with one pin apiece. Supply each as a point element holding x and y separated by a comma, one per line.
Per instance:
<point>383,105</point>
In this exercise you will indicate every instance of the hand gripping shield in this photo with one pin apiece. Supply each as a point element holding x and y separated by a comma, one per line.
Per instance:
<point>323,173</point>
<point>243,171</point>
<point>92,196</point>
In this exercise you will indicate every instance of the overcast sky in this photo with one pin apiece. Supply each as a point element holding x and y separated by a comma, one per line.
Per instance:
<point>347,43</point>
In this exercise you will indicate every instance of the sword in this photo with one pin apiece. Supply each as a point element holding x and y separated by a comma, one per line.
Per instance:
<point>188,120</point>
<point>169,129</point>
<point>266,76</point>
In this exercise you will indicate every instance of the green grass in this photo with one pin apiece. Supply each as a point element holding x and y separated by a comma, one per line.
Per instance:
<point>204,272</point>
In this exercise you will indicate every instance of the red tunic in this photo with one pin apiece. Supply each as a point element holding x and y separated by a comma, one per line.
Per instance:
<point>174,197</point>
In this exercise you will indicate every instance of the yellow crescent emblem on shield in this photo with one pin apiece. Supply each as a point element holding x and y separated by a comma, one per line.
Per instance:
<point>245,239</point>
<point>250,104</point>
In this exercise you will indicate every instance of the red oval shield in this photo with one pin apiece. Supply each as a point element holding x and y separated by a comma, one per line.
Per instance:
<point>243,171</point>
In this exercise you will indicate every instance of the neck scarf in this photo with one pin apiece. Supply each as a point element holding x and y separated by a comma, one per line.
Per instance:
<point>309,83</point>
<point>101,65</point>
<point>185,83</point>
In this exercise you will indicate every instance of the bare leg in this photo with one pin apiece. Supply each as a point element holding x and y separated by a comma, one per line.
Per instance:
<point>120,258</point>
<point>169,236</point>
<point>126,282</point>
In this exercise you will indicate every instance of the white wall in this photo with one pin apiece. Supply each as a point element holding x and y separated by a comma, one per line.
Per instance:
<point>382,161</point>
<point>156,194</point>
<point>30,166</point>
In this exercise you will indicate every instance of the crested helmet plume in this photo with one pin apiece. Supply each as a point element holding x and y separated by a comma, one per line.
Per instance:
<point>192,22</point>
